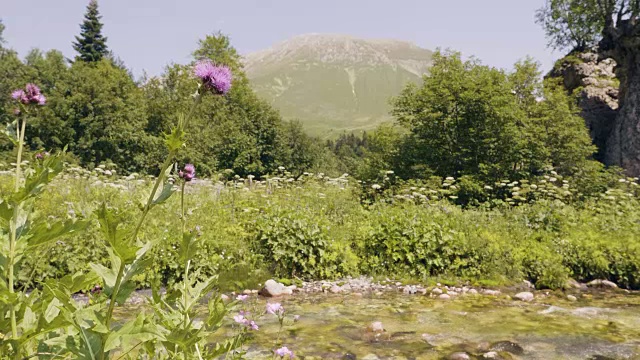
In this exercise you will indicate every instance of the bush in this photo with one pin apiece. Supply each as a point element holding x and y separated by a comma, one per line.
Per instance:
<point>297,244</point>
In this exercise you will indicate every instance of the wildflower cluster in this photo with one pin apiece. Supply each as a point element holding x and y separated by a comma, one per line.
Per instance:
<point>30,95</point>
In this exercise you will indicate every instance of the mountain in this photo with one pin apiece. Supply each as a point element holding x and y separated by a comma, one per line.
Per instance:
<point>335,83</point>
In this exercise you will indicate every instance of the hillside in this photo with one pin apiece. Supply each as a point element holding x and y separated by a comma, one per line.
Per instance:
<point>335,83</point>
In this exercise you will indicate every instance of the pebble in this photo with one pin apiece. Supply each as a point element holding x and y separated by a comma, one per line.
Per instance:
<point>572,298</point>
<point>436,291</point>
<point>444,297</point>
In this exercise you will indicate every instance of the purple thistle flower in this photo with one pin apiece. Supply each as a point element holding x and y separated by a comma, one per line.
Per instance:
<point>216,78</point>
<point>31,95</point>
<point>41,99</point>
<point>242,297</point>
<point>284,351</point>
<point>274,309</point>
<point>20,95</point>
<point>188,173</point>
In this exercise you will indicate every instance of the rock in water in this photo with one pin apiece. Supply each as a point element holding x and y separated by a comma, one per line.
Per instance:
<point>524,296</point>
<point>459,356</point>
<point>602,283</point>
<point>375,327</point>
<point>273,288</point>
<point>507,346</point>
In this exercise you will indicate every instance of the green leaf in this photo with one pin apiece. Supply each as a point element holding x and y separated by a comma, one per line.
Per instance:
<point>44,233</point>
<point>53,310</point>
<point>132,334</point>
<point>175,139</point>
<point>167,190</point>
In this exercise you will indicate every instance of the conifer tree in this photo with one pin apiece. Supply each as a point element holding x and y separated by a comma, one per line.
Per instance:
<point>91,45</point>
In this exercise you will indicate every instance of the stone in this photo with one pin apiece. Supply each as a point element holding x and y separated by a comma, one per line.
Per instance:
<point>602,284</point>
<point>524,296</point>
<point>507,346</point>
<point>472,292</point>
<point>335,289</point>
<point>491,292</point>
<point>459,356</point>
<point>371,357</point>
<point>349,356</point>
<point>246,292</point>
<point>436,291</point>
<point>452,293</point>
<point>572,284</point>
<point>273,288</point>
<point>491,355</point>
<point>572,298</point>
<point>444,297</point>
<point>528,284</point>
<point>375,327</point>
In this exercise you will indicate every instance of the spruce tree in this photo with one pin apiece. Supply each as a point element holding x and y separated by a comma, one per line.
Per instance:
<point>91,45</point>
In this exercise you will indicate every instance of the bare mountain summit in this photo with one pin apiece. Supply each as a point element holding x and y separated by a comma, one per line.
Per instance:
<point>334,83</point>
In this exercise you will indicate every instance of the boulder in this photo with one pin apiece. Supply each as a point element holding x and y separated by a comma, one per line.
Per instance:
<point>524,296</point>
<point>602,284</point>
<point>273,288</point>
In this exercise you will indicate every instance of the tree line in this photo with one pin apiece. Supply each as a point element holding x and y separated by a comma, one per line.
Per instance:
<point>464,119</point>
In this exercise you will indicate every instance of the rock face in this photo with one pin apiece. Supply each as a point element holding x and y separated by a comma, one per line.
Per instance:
<point>609,98</point>
<point>591,79</point>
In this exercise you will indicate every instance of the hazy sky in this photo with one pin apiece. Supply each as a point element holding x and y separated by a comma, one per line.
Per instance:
<point>148,34</point>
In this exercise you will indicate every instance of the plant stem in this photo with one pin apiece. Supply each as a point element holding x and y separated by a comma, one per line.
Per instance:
<point>14,229</point>
<point>145,211</point>
<point>185,313</point>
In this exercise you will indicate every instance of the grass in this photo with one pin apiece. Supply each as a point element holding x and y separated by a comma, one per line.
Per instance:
<point>246,240</point>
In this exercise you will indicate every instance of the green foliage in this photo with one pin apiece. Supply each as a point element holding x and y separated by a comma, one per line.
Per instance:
<point>572,24</point>
<point>91,45</point>
<point>469,119</point>
<point>297,247</point>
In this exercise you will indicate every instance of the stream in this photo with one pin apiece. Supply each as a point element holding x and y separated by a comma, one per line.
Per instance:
<point>596,326</point>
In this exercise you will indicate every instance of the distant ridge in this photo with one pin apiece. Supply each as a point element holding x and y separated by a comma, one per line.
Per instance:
<point>335,83</point>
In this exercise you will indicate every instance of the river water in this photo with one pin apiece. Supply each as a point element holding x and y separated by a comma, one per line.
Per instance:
<point>338,326</point>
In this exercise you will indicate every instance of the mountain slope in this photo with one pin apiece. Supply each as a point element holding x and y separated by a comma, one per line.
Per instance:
<point>334,83</point>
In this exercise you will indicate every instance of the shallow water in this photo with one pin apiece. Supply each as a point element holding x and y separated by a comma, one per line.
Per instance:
<point>419,327</point>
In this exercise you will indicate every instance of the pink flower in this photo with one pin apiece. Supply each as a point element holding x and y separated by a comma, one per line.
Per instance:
<point>239,319</point>
<point>284,351</point>
<point>242,297</point>
<point>274,308</point>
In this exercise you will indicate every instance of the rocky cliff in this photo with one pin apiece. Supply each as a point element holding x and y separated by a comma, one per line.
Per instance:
<point>591,79</point>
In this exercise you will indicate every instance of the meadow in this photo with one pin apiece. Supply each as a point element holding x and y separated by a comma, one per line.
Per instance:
<point>317,227</point>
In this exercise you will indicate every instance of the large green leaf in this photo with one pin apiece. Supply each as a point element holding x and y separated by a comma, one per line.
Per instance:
<point>133,334</point>
<point>44,233</point>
